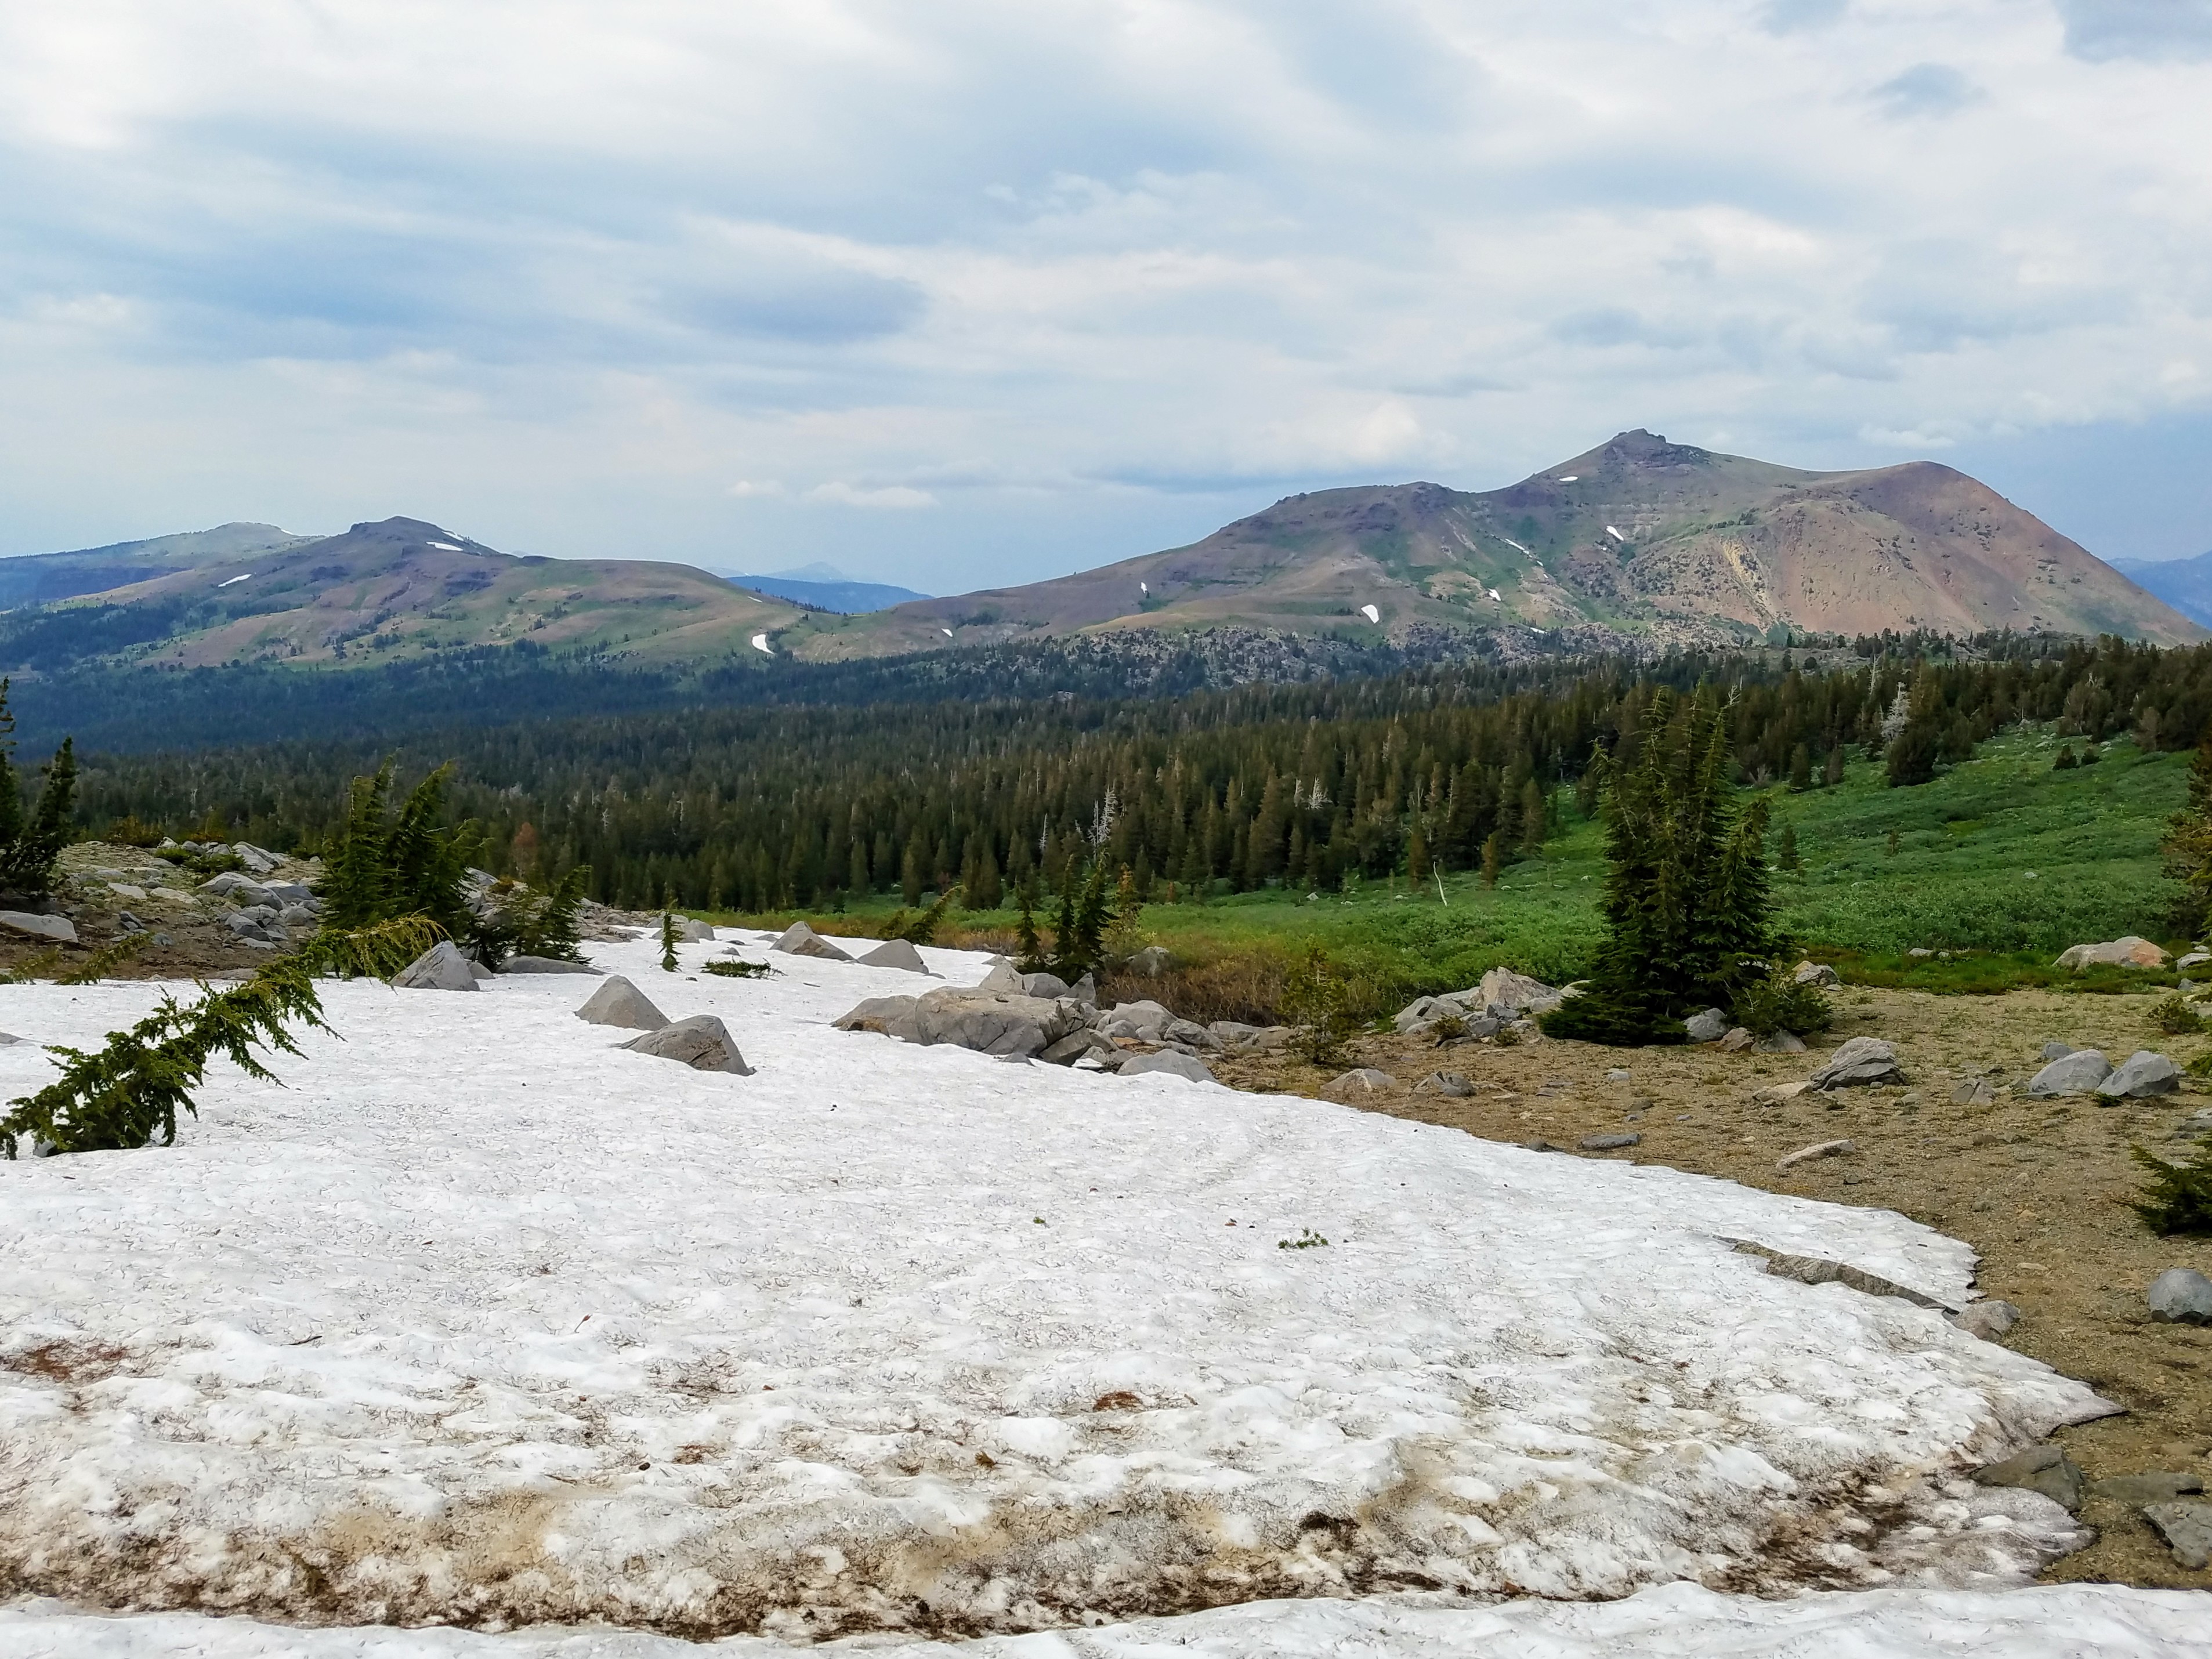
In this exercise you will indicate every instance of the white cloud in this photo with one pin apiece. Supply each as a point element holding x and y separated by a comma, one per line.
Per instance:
<point>896,496</point>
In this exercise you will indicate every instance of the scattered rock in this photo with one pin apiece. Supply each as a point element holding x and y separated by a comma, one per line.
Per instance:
<point>876,1014</point>
<point>2076,1073</point>
<point>441,967</point>
<point>1775,1094</point>
<point>477,971</point>
<point>2055,1051</point>
<point>1150,962</point>
<point>1920,951</point>
<point>2195,959</point>
<point>258,859</point>
<point>1780,1043</point>
<point>1974,1091</point>
<point>1004,976</point>
<point>1737,1040</point>
<point>800,940</point>
<point>547,965</point>
<point>1816,973</point>
<point>1010,1026</point>
<point>1502,987</point>
<point>1858,1062</point>
<point>1043,985</point>
<point>703,1043</point>
<point>1819,1149</point>
<point>55,930</point>
<point>1147,1022</point>
<point>1453,1085</point>
<point>2180,1296</point>
<point>694,931</point>
<point>1609,1142</point>
<point>618,1002</point>
<point>1987,1320</point>
<point>1171,1063</point>
<point>1359,1082</point>
<point>1075,1045</point>
<point>1618,1074</point>
<point>896,953</point>
<point>2157,1486</point>
<point>1084,990</point>
<point>290,892</point>
<point>2046,1468</point>
<point>9,1039</point>
<point>2139,1076</point>
<point>1710,1026</point>
<point>2187,1529</point>
<point>2125,952</point>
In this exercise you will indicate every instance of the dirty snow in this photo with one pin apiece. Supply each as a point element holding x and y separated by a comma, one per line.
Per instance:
<point>484,1319</point>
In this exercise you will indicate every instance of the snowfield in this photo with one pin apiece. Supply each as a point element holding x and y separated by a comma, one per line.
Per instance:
<point>483,1320</point>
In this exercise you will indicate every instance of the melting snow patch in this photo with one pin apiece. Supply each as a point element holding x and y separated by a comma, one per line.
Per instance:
<point>1370,613</point>
<point>234,581</point>
<point>946,632</point>
<point>1496,597</point>
<point>1570,477</point>
<point>760,643</point>
<point>487,1320</point>
<point>448,547</point>
<point>1615,534</point>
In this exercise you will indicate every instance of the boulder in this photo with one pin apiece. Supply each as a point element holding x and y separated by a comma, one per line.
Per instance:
<point>1779,1042</point>
<point>618,1002</point>
<point>693,932</point>
<point>1502,987</point>
<point>441,967</point>
<point>1987,1320</point>
<point>55,930</point>
<point>2180,1296</point>
<point>989,1022</point>
<point>1043,985</point>
<point>1360,1082</point>
<point>1710,1026</point>
<point>896,953</point>
<point>2046,1468</point>
<point>1860,1062</point>
<point>296,915</point>
<point>2187,1529</point>
<point>1170,1063</point>
<point>547,965</point>
<point>1003,976</point>
<point>876,1015</point>
<point>1084,990</point>
<point>703,1043</point>
<point>1452,1085</point>
<point>289,892</point>
<point>1075,1045</point>
<point>2195,959</point>
<point>2073,1074</point>
<point>1150,962</point>
<point>1145,1021</point>
<point>800,940</point>
<point>477,971</point>
<point>2125,952</point>
<point>257,860</point>
<point>2055,1051</point>
<point>1816,973</point>
<point>2139,1076</point>
<point>1423,1011</point>
<point>1736,1039</point>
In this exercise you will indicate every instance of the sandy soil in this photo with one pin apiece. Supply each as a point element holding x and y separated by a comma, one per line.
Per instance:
<point>2040,1188</point>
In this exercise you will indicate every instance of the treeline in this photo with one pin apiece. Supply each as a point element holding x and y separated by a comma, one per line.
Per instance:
<point>764,809</point>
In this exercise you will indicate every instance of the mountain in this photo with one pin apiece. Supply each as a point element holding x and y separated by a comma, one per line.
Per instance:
<point>2184,584</point>
<point>1639,539</point>
<point>390,591</point>
<point>42,577</point>
<point>825,587</point>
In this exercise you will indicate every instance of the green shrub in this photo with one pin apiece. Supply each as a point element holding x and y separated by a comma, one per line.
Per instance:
<point>1778,1003</point>
<point>2179,1197</point>
<point>738,970</point>
<point>1320,1007</point>
<point>2176,1018</point>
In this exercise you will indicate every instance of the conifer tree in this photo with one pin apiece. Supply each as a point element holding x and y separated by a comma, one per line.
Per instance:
<point>27,851</point>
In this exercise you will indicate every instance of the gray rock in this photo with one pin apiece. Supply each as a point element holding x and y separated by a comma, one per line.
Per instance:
<point>2157,1486</point>
<point>1043,985</point>
<point>2180,1296</point>
<point>1145,1021</point>
<point>1360,1081</point>
<point>2125,952</point>
<point>547,965</point>
<point>2075,1073</point>
<point>1003,976</point>
<point>1816,973</point>
<point>1609,1143</point>
<point>1190,1033</point>
<point>296,915</point>
<point>1987,1320</point>
<point>703,1043</point>
<point>1710,1026</point>
<point>257,860</point>
<point>2139,1076</point>
<point>2046,1468</point>
<point>896,953</point>
<point>2187,1529</point>
<point>1818,1149</point>
<point>1502,987</point>
<point>1858,1062</point>
<point>1453,1085</point>
<point>129,923</point>
<point>1075,1045</point>
<point>618,1002</point>
<point>800,940</point>
<point>2195,959</point>
<point>1173,1064</point>
<point>1974,1091</point>
<point>55,930</point>
<point>876,1015</point>
<point>1780,1043</point>
<point>1736,1039</point>
<point>289,892</point>
<point>1084,990</point>
<point>989,1022</point>
<point>1422,1011</point>
<point>2055,1051</point>
<point>694,931</point>
<point>441,967</point>
<point>1150,962</point>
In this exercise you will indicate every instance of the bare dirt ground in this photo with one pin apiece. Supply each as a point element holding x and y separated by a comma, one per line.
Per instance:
<point>2041,1188</point>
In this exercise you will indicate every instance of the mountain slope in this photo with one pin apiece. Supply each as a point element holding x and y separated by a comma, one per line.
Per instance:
<point>1638,537</point>
<point>396,589</point>
<point>838,593</point>
<point>43,578</point>
<point>2184,584</point>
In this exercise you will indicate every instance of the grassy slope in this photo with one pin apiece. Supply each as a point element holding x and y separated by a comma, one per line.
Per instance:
<point>1958,881</point>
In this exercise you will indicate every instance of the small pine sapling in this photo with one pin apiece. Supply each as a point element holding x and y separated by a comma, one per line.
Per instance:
<point>1318,1006</point>
<point>2178,1199</point>
<point>668,963</point>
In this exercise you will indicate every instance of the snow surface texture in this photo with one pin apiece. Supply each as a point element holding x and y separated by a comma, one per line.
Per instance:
<point>1674,1621</point>
<point>485,1320</point>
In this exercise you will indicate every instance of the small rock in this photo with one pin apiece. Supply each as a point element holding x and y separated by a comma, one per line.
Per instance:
<point>2073,1074</point>
<point>1050,986</point>
<point>618,1002</point>
<point>703,1043</point>
<point>896,953</point>
<point>2195,959</point>
<point>441,967</point>
<point>2046,1468</point>
<point>1737,1041</point>
<point>2159,1486</point>
<point>1609,1143</point>
<point>2124,952</point>
<point>2180,1296</point>
<point>1775,1094</point>
<point>125,922</point>
<point>2139,1076</point>
<point>1004,976</point>
<point>1920,951</point>
<point>9,1039</point>
<point>1361,1080</point>
<point>55,930</point>
<point>1974,1091</point>
<point>1451,1085</point>
<point>1075,1046</point>
<point>1779,1042</point>
<point>1618,1074</point>
<point>1170,1063</point>
<point>546,965</point>
<point>2187,1529</point>
<point>2055,1051</point>
<point>1150,962</point>
<point>1818,1149</point>
<point>1816,973</point>
<point>1710,1026</point>
<point>1987,1320</point>
<point>1856,1063</point>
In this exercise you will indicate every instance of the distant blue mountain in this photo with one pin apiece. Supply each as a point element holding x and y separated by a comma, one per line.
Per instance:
<point>827,588</point>
<point>2184,584</point>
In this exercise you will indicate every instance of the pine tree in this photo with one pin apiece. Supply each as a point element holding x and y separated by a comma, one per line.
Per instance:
<point>27,851</point>
<point>1029,951</point>
<point>1493,859</point>
<point>1789,848</point>
<point>1801,768</point>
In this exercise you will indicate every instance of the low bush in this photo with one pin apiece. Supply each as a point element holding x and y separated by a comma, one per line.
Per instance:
<point>1778,1003</point>
<point>2176,1016</point>
<point>2179,1197</point>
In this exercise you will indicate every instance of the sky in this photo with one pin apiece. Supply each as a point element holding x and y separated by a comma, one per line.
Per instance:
<point>988,291</point>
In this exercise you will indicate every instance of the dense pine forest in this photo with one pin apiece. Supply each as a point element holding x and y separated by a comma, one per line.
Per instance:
<point>1462,766</point>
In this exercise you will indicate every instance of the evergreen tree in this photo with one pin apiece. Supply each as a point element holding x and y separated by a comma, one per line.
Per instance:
<point>387,865</point>
<point>27,851</point>
<point>1789,846</point>
<point>1029,951</point>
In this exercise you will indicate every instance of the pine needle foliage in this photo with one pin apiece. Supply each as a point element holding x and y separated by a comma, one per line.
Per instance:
<point>388,865</point>
<point>1686,904</point>
<point>2178,1199</point>
<point>668,961</point>
<point>29,846</point>
<point>921,927</point>
<point>525,923</point>
<point>124,1094</point>
<point>94,967</point>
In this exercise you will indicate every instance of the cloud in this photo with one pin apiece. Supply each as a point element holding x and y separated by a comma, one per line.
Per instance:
<point>1926,89</point>
<point>1795,16</point>
<point>896,496</point>
<point>2099,31</point>
<point>756,489</point>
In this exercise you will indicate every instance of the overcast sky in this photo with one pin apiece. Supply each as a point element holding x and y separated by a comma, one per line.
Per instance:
<point>971,291</point>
